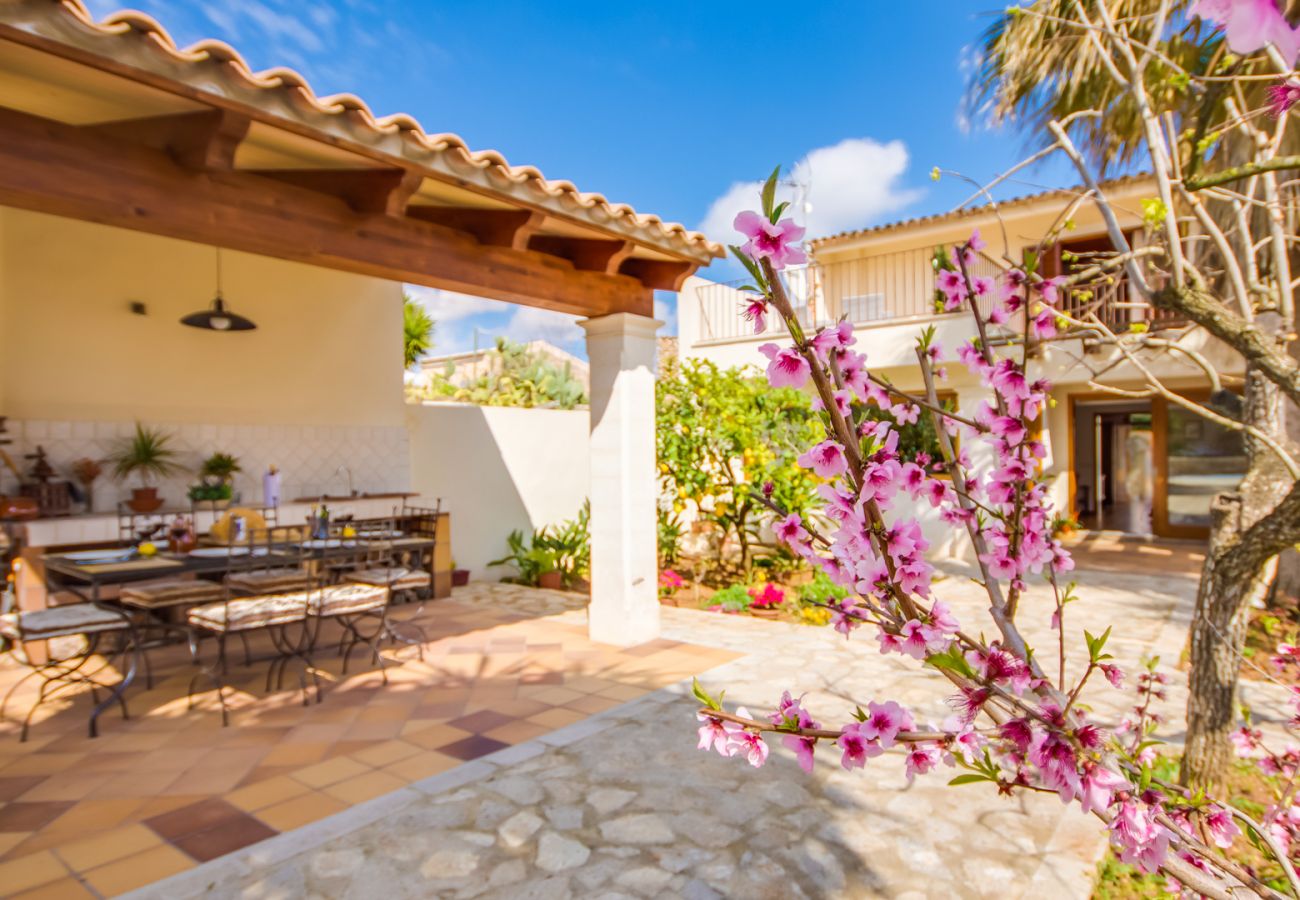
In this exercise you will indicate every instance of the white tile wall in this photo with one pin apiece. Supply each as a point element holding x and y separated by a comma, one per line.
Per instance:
<point>308,456</point>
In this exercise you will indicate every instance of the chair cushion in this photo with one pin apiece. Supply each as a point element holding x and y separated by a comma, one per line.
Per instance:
<point>397,578</point>
<point>245,613</point>
<point>276,582</point>
<point>60,621</point>
<point>174,592</point>
<point>347,599</point>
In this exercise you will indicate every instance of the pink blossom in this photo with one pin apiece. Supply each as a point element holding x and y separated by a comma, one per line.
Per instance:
<point>826,459</point>
<point>884,722</point>
<point>921,758</point>
<point>857,747</point>
<point>1045,324</point>
<point>786,367</point>
<point>1281,97</point>
<point>906,414</point>
<point>746,743</point>
<point>791,530</point>
<point>1140,840</point>
<point>1250,24</point>
<point>756,311</point>
<point>714,734</point>
<point>1097,786</point>
<point>976,243</point>
<point>1222,827</point>
<point>1114,674</point>
<point>775,242</point>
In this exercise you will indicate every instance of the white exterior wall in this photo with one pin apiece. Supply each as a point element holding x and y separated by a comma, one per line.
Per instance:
<point>498,469</point>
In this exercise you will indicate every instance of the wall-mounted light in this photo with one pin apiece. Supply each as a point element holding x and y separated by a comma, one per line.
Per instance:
<point>217,317</point>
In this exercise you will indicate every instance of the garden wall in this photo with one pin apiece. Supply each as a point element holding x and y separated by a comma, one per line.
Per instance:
<point>498,469</point>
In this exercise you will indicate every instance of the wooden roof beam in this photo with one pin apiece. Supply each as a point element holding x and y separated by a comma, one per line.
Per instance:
<point>59,169</point>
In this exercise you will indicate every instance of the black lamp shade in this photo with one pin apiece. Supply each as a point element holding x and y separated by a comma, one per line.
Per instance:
<point>218,318</point>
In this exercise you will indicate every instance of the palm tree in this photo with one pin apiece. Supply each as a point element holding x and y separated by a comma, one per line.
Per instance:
<point>417,331</point>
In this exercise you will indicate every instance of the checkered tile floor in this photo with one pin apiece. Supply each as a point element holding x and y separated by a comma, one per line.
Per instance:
<point>171,788</point>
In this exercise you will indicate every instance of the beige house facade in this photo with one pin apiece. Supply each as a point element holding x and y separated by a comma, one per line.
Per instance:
<point>1131,465</point>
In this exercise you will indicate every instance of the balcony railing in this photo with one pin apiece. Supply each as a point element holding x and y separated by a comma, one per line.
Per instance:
<point>893,287</point>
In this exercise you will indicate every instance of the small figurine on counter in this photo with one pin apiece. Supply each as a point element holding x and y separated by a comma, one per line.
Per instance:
<point>271,487</point>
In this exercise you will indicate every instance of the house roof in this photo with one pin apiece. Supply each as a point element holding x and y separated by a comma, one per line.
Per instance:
<point>967,212</point>
<point>135,43</point>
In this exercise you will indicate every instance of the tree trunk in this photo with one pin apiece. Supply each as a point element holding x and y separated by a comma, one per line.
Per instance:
<point>1229,587</point>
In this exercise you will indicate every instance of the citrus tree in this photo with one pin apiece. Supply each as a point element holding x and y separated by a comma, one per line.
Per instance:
<point>727,448</point>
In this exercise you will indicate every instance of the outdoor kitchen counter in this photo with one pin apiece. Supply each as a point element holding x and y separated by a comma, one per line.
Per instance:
<point>41,536</point>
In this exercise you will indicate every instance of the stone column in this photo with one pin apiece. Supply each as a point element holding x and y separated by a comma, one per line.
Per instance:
<point>624,578</point>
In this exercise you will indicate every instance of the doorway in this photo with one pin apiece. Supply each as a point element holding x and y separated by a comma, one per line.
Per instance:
<point>1114,466</point>
<point>1148,467</point>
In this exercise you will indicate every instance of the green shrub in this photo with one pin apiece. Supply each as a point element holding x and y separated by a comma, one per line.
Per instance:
<point>733,599</point>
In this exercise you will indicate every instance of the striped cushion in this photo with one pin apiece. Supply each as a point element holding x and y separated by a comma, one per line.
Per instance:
<point>279,582</point>
<point>60,621</point>
<point>175,592</point>
<point>245,613</point>
<point>397,578</point>
<point>347,599</point>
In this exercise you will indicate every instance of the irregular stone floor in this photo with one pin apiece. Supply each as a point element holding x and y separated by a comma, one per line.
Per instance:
<point>623,805</point>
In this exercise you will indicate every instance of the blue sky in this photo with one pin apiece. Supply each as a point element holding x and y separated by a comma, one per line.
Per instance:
<point>666,106</point>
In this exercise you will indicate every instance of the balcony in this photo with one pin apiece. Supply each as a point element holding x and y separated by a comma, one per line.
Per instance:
<point>894,288</point>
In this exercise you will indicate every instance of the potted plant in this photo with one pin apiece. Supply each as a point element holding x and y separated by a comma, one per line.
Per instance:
<point>216,476</point>
<point>86,471</point>
<point>767,601</point>
<point>149,456</point>
<point>459,577</point>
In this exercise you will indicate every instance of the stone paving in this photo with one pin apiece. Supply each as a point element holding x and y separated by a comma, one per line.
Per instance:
<point>623,805</point>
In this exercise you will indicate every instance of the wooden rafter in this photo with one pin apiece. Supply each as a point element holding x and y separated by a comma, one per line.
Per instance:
<point>206,139</point>
<point>52,167</point>
<point>377,191</point>
<point>494,227</point>
<point>660,274</point>
<point>590,255</point>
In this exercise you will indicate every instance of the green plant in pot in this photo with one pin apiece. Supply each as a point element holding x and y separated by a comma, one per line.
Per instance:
<point>216,477</point>
<point>149,456</point>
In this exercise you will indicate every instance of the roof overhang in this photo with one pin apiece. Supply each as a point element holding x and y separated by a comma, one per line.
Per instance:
<point>110,121</point>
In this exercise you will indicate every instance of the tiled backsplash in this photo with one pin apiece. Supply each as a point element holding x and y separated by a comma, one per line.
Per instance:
<point>309,456</point>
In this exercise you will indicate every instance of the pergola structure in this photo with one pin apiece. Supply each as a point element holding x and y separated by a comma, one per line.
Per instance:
<point>111,122</point>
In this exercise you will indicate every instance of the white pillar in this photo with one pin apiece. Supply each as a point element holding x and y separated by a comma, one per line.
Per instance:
<point>624,565</point>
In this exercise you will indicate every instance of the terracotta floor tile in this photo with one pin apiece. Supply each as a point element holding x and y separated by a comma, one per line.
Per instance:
<point>19,816</point>
<point>196,817</point>
<point>516,732</point>
<point>43,764</point>
<point>63,889</point>
<point>386,753</point>
<point>623,692</point>
<point>225,838</point>
<point>556,718</point>
<point>556,696</point>
<point>479,722</point>
<point>13,788</point>
<point>425,765</point>
<point>300,811</point>
<point>362,733</point>
<point>96,815</point>
<point>435,736</point>
<point>103,848</point>
<point>365,787</point>
<point>472,747</point>
<point>138,870</point>
<point>330,771</point>
<point>70,786</point>
<point>382,714</point>
<point>31,871</point>
<point>296,754</point>
<point>11,839</point>
<point>266,793</point>
<point>591,705</point>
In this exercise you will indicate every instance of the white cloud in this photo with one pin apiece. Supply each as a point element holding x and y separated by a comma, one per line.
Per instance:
<point>449,306</point>
<point>848,185</point>
<point>532,324</point>
<point>666,312</point>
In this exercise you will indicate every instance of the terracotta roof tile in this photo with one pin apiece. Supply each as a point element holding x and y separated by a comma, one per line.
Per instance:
<point>566,198</point>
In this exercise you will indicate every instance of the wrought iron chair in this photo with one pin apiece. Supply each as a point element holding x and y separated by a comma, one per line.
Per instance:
<point>361,610</point>
<point>399,572</point>
<point>60,674</point>
<point>269,573</point>
<point>282,615</point>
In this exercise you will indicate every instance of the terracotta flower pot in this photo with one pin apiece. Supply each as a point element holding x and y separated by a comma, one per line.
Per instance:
<point>459,577</point>
<point>765,612</point>
<point>144,499</point>
<point>552,581</point>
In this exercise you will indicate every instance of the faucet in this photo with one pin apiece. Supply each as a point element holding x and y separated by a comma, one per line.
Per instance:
<point>344,469</point>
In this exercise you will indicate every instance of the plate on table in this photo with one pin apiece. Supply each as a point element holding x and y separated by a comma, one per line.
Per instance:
<point>105,555</point>
<point>324,544</point>
<point>218,552</point>
<point>377,535</point>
